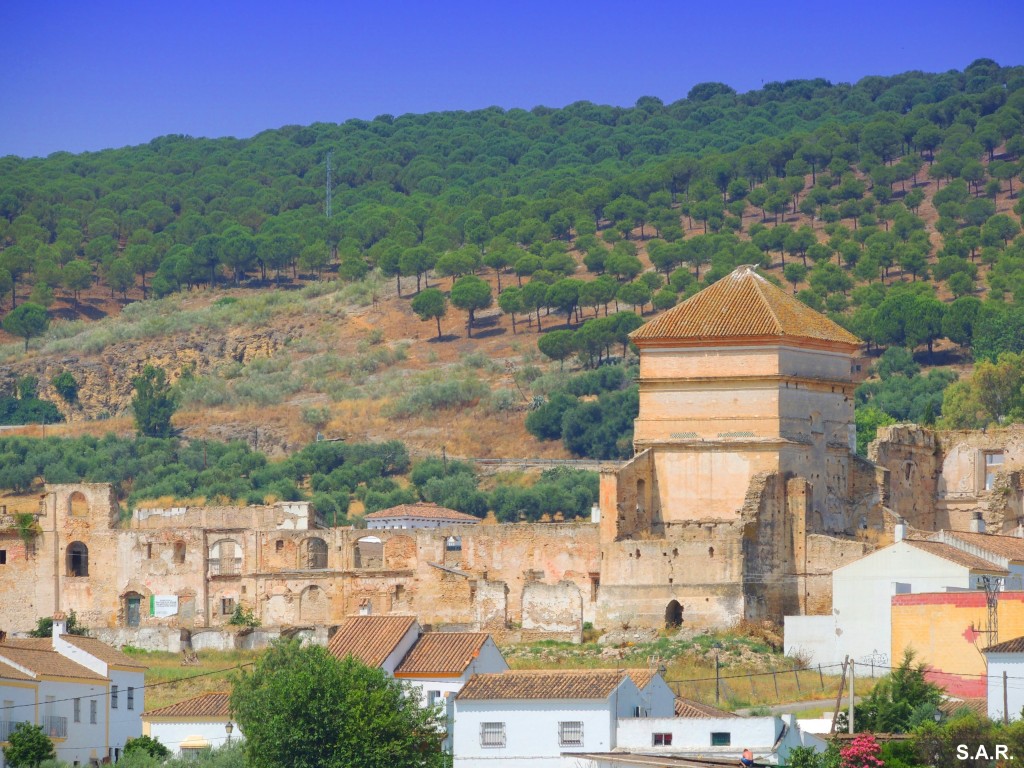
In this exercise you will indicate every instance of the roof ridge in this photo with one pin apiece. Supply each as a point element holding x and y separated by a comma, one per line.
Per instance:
<point>759,290</point>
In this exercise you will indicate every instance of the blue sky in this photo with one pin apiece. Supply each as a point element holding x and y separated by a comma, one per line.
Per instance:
<point>80,78</point>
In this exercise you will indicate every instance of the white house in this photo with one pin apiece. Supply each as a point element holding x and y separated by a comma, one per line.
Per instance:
<point>1005,675</point>
<point>87,696</point>
<point>419,515</point>
<point>377,641</point>
<point>545,718</point>
<point>190,726</point>
<point>440,663</point>
<point>860,623</point>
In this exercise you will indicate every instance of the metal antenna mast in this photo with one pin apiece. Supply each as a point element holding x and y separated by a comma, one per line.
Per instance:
<point>327,206</point>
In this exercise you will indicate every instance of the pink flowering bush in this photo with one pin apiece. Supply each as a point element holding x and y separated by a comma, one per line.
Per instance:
<point>862,753</point>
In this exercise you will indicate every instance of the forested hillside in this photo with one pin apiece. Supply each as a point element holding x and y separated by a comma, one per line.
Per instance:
<point>517,237</point>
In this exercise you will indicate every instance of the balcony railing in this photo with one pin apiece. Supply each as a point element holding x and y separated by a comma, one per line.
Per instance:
<point>55,727</point>
<point>7,728</point>
<point>226,566</point>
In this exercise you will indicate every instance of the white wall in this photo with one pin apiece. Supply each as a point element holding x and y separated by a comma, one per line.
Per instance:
<point>127,723</point>
<point>401,649</point>
<point>1013,665</point>
<point>693,735</point>
<point>657,699</point>
<point>171,735</point>
<point>22,697</point>
<point>861,601</point>
<point>531,731</point>
<point>85,740</point>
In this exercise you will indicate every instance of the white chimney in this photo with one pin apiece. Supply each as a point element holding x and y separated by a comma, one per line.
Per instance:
<point>977,523</point>
<point>899,531</point>
<point>60,625</point>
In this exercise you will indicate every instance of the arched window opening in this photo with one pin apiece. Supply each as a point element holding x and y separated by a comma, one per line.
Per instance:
<point>368,552</point>
<point>673,615</point>
<point>78,559</point>
<point>314,554</point>
<point>78,506</point>
<point>225,558</point>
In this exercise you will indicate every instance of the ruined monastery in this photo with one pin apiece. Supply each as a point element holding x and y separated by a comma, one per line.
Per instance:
<point>742,497</point>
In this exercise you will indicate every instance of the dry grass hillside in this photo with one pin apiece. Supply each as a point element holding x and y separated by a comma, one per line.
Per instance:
<point>275,365</point>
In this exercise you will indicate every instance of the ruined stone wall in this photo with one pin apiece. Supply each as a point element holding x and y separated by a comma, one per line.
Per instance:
<point>629,500</point>
<point>910,455</point>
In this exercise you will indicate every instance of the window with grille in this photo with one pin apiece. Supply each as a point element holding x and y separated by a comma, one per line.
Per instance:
<point>721,739</point>
<point>432,697</point>
<point>492,734</point>
<point>78,710</point>
<point>661,739</point>
<point>131,697</point>
<point>113,697</point>
<point>570,733</point>
<point>93,711</point>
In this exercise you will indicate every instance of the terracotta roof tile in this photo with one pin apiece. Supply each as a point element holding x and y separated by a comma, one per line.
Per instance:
<point>45,662</point>
<point>742,304</point>
<point>423,511</point>
<point>371,639</point>
<point>205,705</point>
<point>1010,547</point>
<point>444,653</point>
<point>543,684</point>
<point>954,555</point>
<point>105,653</point>
<point>979,706</point>
<point>694,709</point>
<point>8,672</point>
<point>1009,646</point>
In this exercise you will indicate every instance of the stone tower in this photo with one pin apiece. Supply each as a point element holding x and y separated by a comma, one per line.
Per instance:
<point>744,441</point>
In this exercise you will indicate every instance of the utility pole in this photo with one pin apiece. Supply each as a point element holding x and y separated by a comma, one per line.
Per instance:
<point>839,695</point>
<point>718,681</point>
<point>327,205</point>
<point>853,666</point>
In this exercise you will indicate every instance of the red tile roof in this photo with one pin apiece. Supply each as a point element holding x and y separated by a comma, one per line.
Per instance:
<point>371,639</point>
<point>742,305</point>
<point>1009,646</point>
<point>45,662</point>
<point>442,653</point>
<point>1010,547</point>
<point>691,708</point>
<point>954,555</point>
<point>205,705</point>
<point>543,684</point>
<point>104,652</point>
<point>423,510</point>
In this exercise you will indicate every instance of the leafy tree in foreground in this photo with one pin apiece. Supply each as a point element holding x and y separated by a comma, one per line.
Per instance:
<point>147,744</point>
<point>29,746</point>
<point>302,707</point>
<point>26,321</point>
<point>900,701</point>
<point>154,403</point>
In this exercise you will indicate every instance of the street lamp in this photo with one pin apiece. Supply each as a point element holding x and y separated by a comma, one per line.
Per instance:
<point>229,727</point>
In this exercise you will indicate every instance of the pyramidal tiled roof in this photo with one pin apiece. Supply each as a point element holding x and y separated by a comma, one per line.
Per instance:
<point>743,304</point>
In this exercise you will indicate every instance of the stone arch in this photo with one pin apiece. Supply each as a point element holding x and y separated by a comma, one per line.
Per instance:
<point>313,553</point>
<point>179,552</point>
<point>368,552</point>
<point>78,505</point>
<point>313,605</point>
<point>77,559</point>
<point>225,557</point>
<point>673,614</point>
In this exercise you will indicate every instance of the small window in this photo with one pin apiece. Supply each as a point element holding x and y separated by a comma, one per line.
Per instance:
<point>721,739</point>
<point>993,463</point>
<point>432,697</point>
<point>113,697</point>
<point>3,557</point>
<point>77,559</point>
<point>661,739</point>
<point>93,710</point>
<point>149,551</point>
<point>131,697</point>
<point>492,734</point>
<point>570,733</point>
<point>78,710</point>
<point>179,552</point>
<point>227,606</point>
<point>278,545</point>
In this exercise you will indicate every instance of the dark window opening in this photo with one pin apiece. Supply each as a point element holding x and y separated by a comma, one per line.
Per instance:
<point>673,614</point>
<point>661,739</point>
<point>3,557</point>
<point>721,739</point>
<point>179,552</point>
<point>315,553</point>
<point>78,559</point>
